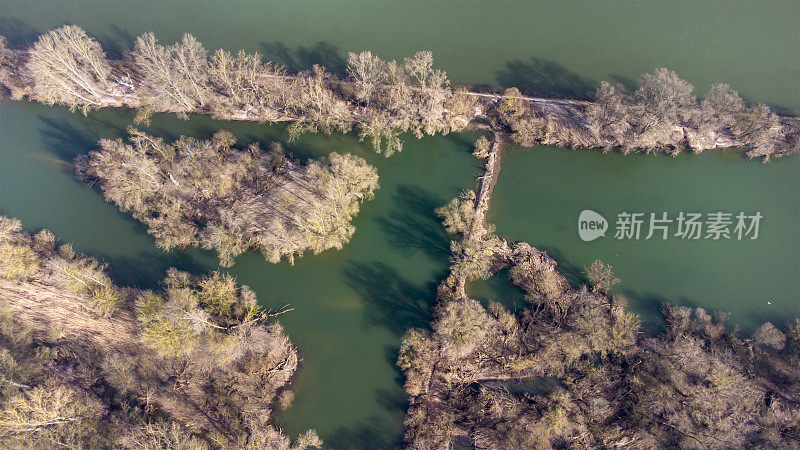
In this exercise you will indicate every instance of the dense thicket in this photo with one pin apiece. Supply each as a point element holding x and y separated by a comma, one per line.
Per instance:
<point>472,255</point>
<point>381,99</point>
<point>87,364</point>
<point>208,193</point>
<point>662,114</point>
<point>572,370</point>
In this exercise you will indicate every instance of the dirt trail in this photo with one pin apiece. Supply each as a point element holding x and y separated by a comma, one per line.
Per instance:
<point>484,188</point>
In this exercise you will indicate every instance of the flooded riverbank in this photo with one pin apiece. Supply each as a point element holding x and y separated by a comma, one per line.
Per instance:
<point>352,306</point>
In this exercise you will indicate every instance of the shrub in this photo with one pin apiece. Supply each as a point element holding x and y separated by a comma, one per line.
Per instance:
<point>463,326</point>
<point>18,262</point>
<point>412,349</point>
<point>511,106</point>
<point>601,276</point>
<point>218,294</point>
<point>106,299</point>
<point>169,337</point>
<point>482,147</point>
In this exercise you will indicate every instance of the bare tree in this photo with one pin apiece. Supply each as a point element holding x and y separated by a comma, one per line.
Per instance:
<point>368,71</point>
<point>608,115</point>
<point>318,107</point>
<point>758,127</point>
<point>68,67</point>
<point>399,94</point>
<point>172,76</point>
<point>432,90</point>
<point>660,104</point>
<point>723,103</point>
<point>248,86</point>
<point>601,276</point>
<point>376,127</point>
<point>662,95</point>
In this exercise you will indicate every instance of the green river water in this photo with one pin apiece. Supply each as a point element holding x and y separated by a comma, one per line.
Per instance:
<point>352,306</point>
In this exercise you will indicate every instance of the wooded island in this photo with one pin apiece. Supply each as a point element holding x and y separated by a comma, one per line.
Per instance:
<point>380,99</point>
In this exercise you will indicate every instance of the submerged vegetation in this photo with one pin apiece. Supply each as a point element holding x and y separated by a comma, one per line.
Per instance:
<point>86,363</point>
<point>382,99</point>
<point>210,194</point>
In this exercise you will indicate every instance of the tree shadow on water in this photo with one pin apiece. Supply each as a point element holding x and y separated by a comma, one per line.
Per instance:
<point>464,141</point>
<point>19,34</point>
<point>171,128</point>
<point>542,77</point>
<point>116,42</point>
<point>482,87</point>
<point>389,401</point>
<point>572,272</point>
<point>147,270</point>
<point>628,83</point>
<point>303,58</point>
<point>393,302</point>
<point>71,134</point>
<point>762,314</point>
<point>65,140</point>
<point>375,433</point>
<point>398,305</point>
<point>648,305</point>
<point>413,225</point>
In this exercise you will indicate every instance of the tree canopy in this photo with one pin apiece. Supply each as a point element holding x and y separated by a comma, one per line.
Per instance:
<point>208,193</point>
<point>196,364</point>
